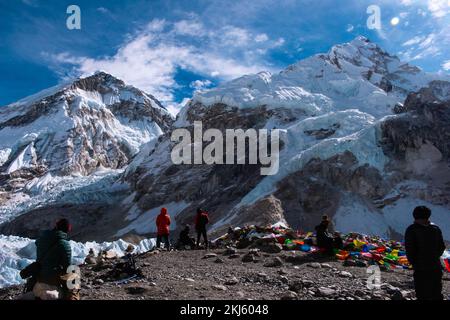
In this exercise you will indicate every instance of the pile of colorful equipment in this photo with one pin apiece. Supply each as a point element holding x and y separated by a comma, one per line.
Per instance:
<point>357,250</point>
<point>446,260</point>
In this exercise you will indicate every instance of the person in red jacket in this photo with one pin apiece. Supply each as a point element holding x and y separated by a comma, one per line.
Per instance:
<point>162,224</point>
<point>201,220</point>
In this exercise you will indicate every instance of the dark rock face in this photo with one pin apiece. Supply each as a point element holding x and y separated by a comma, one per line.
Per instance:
<point>316,189</point>
<point>82,217</point>
<point>324,132</point>
<point>427,122</point>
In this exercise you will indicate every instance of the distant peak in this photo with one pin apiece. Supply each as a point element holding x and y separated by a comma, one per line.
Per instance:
<point>361,39</point>
<point>97,81</point>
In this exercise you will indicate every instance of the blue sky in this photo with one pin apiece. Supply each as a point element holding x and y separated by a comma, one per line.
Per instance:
<point>171,48</point>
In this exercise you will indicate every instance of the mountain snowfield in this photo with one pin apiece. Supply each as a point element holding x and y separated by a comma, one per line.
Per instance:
<point>98,141</point>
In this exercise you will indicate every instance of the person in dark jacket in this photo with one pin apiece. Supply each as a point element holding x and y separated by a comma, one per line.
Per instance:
<point>185,239</point>
<point>323,237</point>
<point>201,220</point>
<point>54,254</point>
<point>424,246</point>
<point>163,227</point>
<point>327,239</point>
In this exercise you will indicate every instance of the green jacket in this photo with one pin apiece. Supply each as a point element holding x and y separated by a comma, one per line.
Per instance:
<point>53,253</point>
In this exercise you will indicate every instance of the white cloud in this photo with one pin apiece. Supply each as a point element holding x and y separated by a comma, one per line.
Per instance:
<point>439,8</point>
<point>200,84</point>
<point>235,37</point>
<point>279,42</point>
<point>446,65</point>
<point>421,12</point>
<point>425,47</point>
<point>189,27</point>
<point>350,28</point>
<point>413,41</point>
<point>150,59</point>
<point>406,2</point>
<point>102,10</point>
<point>261,37</point>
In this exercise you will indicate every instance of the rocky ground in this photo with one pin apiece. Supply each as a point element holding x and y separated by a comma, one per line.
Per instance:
<point>230,274</point>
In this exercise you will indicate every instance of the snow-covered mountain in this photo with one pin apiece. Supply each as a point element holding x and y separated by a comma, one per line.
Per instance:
<point>73,137</point>
<point>334,110</point>
<point>356,145</point>
<point>358,74</point>
<point>76,128</point>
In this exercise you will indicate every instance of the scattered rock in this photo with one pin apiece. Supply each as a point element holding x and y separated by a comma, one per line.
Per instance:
<point>326,292</point>
<point>390,289</point>
<point>248,258</point>
<point>326,265</point>
<point>315,265</point>
<point>219,260</point>
<point>282,272</point>
<point>232,281</point>
<point>276,262</point>
<point>289,295</point>
<point>397,295</point>
<point>189,279</point>
<point>262,275</point>
<point>268,247</point>
<point>284,279</point>
<point>230,251</point>
<point>296,286</point>
<point>345,274</point>
<point>210,255</point>
<point>234,256</point>
<point>98,281</point>
<point>220,287</point>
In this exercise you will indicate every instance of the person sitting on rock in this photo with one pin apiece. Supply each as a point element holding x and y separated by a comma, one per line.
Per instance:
<point>91,258</point>
<point>323,237</point>
<point>185,240</point>
<point>201,220</point>
<point>54,256</point>
<point>162,225</point>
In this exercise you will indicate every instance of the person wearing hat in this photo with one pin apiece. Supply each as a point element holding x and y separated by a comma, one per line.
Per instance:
<point>54,256</point>
<point>424,246</point>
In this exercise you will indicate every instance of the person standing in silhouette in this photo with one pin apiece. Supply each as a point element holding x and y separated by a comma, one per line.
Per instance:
<point>424,246</point>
